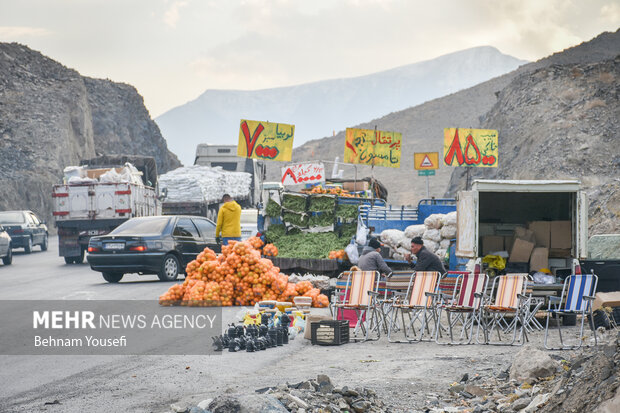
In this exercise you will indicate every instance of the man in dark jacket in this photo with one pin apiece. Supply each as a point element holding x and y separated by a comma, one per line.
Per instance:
<point>371,260</point>
<point>427,261</point>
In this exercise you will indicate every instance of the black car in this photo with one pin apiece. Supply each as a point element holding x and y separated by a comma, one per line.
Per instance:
<point>25,228</point>
<point>161,245</point>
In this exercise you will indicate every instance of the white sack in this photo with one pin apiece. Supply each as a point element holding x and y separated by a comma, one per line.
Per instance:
<point>450,218</point>
<point>434,221</point>
<point>441,253</point>
<point>448,231</point>
<point>392,237</point>
<point>413,231</point>
<point>432,246</point>
<point>432,235</point>
<point>444,244</point>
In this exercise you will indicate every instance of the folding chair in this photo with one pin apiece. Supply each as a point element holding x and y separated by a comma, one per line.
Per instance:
<point>465,303</point>
<point>419,304</point>
<point>577,297</point>
<point>510,300</point>
<point>359,294</point>
<point>395,284</point>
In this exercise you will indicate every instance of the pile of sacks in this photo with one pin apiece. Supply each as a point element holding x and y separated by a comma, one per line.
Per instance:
<point>437,231</point>
<point>204,184</point>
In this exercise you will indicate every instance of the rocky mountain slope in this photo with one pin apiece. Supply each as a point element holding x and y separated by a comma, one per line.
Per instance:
<point>316,109</point>
<point>422,126</point>
<point>561,122</point>
<point>52,117</point>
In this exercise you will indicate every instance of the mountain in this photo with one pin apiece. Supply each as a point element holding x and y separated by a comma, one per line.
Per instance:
<point>52,117</point>
<point>422,126</point>
<point>316,109</point>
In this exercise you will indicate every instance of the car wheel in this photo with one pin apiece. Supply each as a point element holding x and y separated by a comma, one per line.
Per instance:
<point>112,277</point>
<point>44,244</point>
<point>8,260</point>
<point>28,247</point>
<point>169,268</point>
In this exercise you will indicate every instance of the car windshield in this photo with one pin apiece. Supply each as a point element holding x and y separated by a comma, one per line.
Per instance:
<point>11,218</point>
<point>142,226</point>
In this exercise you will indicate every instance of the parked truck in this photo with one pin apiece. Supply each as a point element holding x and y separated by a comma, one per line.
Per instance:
<point>555,211</point>
<point>213,156</point>
<point>88,207</point>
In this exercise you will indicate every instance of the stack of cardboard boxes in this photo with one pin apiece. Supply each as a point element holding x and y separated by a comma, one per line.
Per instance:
<point>534,246</point>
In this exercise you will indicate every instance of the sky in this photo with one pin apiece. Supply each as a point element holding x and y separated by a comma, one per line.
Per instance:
<point>174,50</point>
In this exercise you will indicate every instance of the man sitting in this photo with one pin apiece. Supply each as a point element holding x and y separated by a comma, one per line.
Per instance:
<point>371,260</point>
<point>427,261</point>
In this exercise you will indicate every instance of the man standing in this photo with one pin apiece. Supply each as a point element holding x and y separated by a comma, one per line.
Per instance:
<point>228,221</point>
<point>371,260</point>
<point>427,261</point>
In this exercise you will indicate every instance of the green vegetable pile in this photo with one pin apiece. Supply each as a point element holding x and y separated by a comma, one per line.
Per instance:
<point>322,219</point>
<point>347,211</point>
<point>274,232</point>
<point>294,202</point>
<point>322,203</point>
<point>273,209</point>
<point>300,220</point>
<point>309,245</point>
<point>348,230</point>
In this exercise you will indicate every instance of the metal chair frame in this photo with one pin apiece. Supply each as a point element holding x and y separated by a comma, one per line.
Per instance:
<point>575,300</point>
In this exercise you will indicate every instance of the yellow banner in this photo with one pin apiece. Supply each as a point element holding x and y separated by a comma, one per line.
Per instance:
<point>370,147</point>
<point>265,140</point>
<point>426,160</point>
<point>470,147</point>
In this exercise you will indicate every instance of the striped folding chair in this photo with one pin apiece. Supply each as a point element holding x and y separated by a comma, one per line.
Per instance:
<point>394,285</point>
<point>360,294</point>
<point>510,300</point>
<point>577,297</point>
<point>465,304</point>
<point>419,305</point>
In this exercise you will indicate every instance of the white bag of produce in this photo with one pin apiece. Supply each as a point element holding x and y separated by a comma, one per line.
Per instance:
<point>413,231</point>
<point>450,218</point>
<point>432,234</point>
<point>405,243</point>
<point>448,231</point>
<point>403,251</point>
<point>432,246</point>
<point>434,221</point>
<point>399,257</point>
<point>441,253</point>
<point>392,237</point>
<point>111,176</point>
<point>444,244</point>
<point>352,253</point>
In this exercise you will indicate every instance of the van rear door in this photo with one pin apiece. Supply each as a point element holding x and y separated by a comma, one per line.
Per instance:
<point>467,224</point>
<point>581,221</point>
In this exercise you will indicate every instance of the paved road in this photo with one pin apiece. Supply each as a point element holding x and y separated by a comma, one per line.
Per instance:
<point>102,383</point>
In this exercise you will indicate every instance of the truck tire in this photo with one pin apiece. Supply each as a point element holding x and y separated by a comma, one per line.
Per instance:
<point>169,268</point>
<point>68,260</point>
<point>8,260</point>
<point>112,277</point>
<point>28,247</point>
<point>80,258</point>
<point>44,243</point>
<point>600,319</point>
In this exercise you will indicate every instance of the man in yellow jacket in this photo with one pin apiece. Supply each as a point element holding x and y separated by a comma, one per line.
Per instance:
<point>228,221</point>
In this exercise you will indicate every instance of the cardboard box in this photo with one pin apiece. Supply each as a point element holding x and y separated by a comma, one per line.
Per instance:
<point>542,233</point>
<point>309,319</point>
<point>521,250</point>
<point>539,258</point>
<point>508,240</point>
<point>96,173</point>
<point>492,243</point>
<point>356,186</point>
<point>561,235</point>
<point>606,300</point>
<point>559,252</point>
<point>524,234</point>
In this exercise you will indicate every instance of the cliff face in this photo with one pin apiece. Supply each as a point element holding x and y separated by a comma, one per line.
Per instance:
<point>561,122</point>
<point>51,117</point>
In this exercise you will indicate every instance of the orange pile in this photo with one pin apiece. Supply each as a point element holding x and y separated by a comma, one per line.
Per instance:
<point>337,255</point>
<point>270,250</point>
<point>238,276</point>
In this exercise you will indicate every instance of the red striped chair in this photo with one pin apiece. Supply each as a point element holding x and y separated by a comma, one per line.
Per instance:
<point>510,300</point>
<point>359,294</point>
<point>465,304</point>
<point>418,304</point>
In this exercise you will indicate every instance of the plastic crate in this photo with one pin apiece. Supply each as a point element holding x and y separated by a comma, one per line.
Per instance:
<point>330,332</point>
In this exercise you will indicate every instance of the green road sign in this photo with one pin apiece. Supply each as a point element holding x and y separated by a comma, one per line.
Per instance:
<point>427,172</point>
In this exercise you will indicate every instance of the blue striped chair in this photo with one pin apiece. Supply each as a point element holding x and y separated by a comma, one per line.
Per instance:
<point>577,297</point>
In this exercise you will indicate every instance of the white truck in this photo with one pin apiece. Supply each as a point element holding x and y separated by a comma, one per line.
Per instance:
<point>89,208</point>
<point>493,209</point>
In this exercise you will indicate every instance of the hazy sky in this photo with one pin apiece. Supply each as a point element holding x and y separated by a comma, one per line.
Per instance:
<point>173,50</point>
